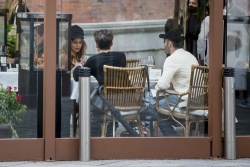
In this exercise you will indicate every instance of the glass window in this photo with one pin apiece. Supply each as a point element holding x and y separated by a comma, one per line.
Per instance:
<point>237,56</point>
<point>135,26</point>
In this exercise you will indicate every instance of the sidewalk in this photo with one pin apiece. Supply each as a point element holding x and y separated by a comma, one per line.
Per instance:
<point>134,163</point>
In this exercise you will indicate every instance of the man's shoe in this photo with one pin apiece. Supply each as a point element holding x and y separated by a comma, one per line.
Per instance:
<point>245,104</point>
<point>126,134</point>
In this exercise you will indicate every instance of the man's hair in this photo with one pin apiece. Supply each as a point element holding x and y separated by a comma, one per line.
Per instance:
<point>177,45</point>
<point>103,39</point>
<point>169,25</point>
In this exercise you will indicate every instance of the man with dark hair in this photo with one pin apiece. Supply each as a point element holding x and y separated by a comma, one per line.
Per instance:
<point>104,41</point>
<point>176,71</point>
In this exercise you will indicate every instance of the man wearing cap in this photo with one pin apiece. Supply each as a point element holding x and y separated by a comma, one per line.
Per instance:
<point>176,71</point>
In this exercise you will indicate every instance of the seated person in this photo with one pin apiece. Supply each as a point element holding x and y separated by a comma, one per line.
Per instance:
<point>176,70</point>
<point>39,49</point>
<point>104,41</point>
<point>78,49</point>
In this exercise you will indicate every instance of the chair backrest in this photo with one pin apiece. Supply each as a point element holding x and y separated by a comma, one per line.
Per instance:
<point>132,63</point>
<point>124,87</point>
<point>198,88</point>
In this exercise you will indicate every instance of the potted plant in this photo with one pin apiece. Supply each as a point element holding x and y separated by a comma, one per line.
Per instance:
<point>11,108</point>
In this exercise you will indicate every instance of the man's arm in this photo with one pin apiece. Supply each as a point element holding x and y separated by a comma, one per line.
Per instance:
<point>169,69</point>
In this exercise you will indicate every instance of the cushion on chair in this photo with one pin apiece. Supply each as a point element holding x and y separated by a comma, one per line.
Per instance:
<point>123,113</point>
<point>182,110</point>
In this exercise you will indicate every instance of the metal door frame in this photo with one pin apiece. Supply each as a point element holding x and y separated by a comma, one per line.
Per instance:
<point>50,148</point>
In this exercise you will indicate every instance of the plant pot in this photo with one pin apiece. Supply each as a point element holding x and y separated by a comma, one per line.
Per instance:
<point>5,131</point>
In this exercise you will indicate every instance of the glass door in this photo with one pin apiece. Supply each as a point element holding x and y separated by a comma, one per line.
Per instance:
<point>237,56</point>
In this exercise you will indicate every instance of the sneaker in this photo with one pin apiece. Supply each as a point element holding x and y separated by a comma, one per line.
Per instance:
<point>126,134</point>
<point>179,130</point>
<point>245,104</point>
<point>143,128</point>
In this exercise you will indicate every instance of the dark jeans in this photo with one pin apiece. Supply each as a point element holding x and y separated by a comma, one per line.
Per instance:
<point>95,125</point>
<point>165,126</point>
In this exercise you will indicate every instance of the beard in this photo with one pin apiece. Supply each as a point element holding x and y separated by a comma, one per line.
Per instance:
<point>167,51</point>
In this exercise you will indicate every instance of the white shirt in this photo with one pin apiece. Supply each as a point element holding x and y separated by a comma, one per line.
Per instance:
<point>177,69</point>
<point>202,39</point>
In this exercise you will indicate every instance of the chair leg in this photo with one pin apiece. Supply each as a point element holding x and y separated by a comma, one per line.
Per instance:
<point>113,126</point>
<point>104,125</point>
<point>156,123</point>
<point>197,128</point>
<point>139,124</point>
<point>74,118</point>
<point>74,123</point>
<point>151,128</point>
<point>187,129</point>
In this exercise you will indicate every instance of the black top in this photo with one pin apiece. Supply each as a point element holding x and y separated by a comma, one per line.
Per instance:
<point>96,62</point>
<point>193,25</point>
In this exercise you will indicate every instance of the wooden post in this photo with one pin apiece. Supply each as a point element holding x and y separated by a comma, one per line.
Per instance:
<point>49,82</point>
<point>215,74</point>
<point>176,13</point>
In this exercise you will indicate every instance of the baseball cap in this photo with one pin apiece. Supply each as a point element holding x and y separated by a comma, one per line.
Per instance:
<point>174,35</point>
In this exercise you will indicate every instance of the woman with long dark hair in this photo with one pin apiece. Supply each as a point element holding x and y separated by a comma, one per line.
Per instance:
<point>195,13</point>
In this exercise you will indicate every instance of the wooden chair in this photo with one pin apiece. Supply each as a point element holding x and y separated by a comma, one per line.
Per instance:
<point>132,63</point>
<point>124,89</point>
<point>195,109</point>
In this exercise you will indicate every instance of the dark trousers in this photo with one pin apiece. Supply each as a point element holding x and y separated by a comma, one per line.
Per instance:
<point>165,126</point>
<point>96,124</point>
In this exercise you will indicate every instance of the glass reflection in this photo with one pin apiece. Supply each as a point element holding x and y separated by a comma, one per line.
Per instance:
<point>138,37</point>
<point>237,56</point>
<point>136,28</point>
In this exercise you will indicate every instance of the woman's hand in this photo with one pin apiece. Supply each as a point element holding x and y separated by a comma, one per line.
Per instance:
<point>76,63</point>
<point>84,59</point>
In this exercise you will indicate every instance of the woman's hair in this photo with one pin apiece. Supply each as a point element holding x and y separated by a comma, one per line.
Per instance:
<point>201,9</point>
<point>74,56</point>
<point>77,32</point>
<point>81,53</point>
<point>104,39</point>
<point>169,25</point>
